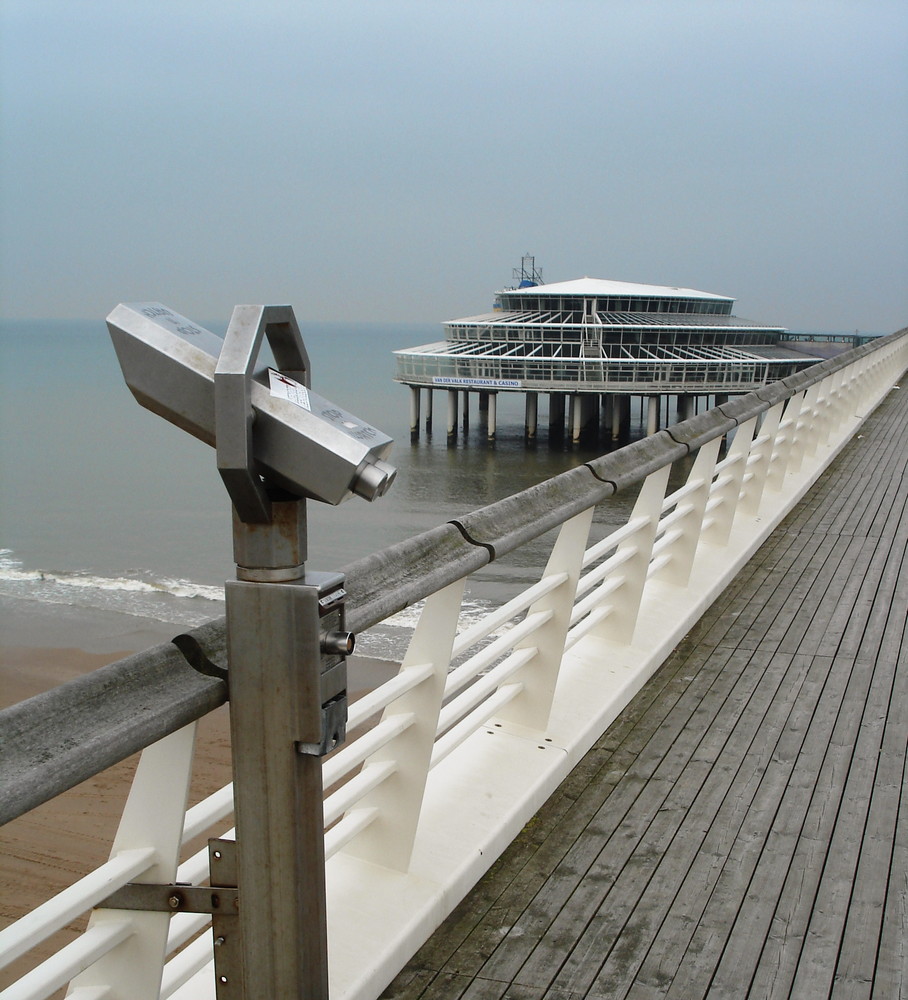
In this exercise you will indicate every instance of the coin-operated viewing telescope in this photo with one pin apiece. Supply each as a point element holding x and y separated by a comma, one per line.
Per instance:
<point>262,421</point>
<point>278,444</point>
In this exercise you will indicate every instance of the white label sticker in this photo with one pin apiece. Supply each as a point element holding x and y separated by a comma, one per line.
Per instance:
<point>288,388</point>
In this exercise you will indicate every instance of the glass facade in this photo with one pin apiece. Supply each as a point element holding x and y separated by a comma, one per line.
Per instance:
<point>615,343</point>
<point>616,303</point>
<point>654,374</point>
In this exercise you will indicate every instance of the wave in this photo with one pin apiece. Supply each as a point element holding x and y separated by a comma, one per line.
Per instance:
<point>472,610</point>
<point>188,603</point>
<point>166,599</point>
<point>10,570</point>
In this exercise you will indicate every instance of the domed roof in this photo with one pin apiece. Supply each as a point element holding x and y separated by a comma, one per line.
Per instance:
<point>603,287</point>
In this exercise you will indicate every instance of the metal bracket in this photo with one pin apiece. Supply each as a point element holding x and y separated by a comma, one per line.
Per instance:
<point>226,930</point>
<point>233,414</point>
<point>173,898</point>
<point>220,899</point>
<point>334,729</point>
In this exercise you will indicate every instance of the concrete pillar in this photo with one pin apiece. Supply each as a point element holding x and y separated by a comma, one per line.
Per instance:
<point>414,411</point>
<point>589,408</point>
<point>576,417</point>
<point>685,406</point>
<point>617,415</point>
<point>492,415</point>
<point>532,412</point>
<point>452,413</point>
<point>556,414</point>
<point>652,415</point>
<point>428,409</point>
<point>483,402</point>
<point>466,410</point>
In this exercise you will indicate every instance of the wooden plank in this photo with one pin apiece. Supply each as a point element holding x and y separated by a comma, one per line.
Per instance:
<point>891,970</point>
<point>799,896</point>
<point>838,606</point>
<point>791,607</point>
<point>822,942</point>
<point>613,804</point>
<point>758,916</point>
<point>661,759</point>
<point>782,949</point>
<point>742,718</point>
<point>767,586</point>
<point>755,798</point>
<point>672,936</point>
<point>864,924</point>
<point>736,599</point>
<point>574,806</point>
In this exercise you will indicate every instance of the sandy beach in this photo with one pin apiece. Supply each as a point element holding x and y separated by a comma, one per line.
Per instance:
<point>41,853</point>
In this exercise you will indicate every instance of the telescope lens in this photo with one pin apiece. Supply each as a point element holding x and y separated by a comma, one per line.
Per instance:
<point>374,479</point>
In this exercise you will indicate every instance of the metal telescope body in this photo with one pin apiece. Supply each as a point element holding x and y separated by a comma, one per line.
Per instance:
<point>278,444</point>
<point>270,420</point>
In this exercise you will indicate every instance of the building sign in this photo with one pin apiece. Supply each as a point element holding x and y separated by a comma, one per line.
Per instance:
<point>480,383</point>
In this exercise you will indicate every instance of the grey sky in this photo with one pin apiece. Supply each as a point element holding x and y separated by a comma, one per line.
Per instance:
<point>392,160</point>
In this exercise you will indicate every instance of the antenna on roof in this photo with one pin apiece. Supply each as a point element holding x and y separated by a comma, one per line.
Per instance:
<point>527,275</point>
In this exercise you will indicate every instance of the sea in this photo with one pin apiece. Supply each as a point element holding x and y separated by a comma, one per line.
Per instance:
<point>106,508</point>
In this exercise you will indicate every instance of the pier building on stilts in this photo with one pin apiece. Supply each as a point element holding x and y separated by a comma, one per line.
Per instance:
<point>596,348</point>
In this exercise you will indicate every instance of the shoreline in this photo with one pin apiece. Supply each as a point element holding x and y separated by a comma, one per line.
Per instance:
<point>33,624</point>
<point>43,645</point>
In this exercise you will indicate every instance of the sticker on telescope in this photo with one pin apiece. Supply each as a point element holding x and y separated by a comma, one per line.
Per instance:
<point>288,388</point>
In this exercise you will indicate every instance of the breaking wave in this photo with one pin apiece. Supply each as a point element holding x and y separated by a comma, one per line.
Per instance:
<point>187,604</point>
<point>180,601</point>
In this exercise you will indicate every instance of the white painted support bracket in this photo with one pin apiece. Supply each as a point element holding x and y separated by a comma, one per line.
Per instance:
<point>783,445</point>
<point>758,462</point>
<point>726,490</point>
<point>388,839</point>
<point>635,554</point>
<point>688,518</point>
<point>153,817</point>
<point>532,707</point>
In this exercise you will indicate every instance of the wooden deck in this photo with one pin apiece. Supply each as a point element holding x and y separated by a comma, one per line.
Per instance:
<point>742,828</point>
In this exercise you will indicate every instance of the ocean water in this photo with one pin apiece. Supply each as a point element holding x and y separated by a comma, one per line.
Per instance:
<point>105,506</point>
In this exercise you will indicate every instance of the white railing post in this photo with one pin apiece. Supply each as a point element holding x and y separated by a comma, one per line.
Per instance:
<point>825,413</point>
<point>805,435</point>
<point>784,442</point>
<point>688,518</point>
<point>388,839</point>
<point>878,370</point>
<point>758,462</point>
<point>635,555</point>
<point>532,707</point>
<point>153,817</point>
<point>846,403</point>
<point>727,488</point>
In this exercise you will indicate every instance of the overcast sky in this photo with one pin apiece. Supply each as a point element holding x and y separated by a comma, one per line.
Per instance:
<point>392,160</point>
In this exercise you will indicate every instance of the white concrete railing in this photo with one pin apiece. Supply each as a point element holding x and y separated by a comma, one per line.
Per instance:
<point>459,758</point>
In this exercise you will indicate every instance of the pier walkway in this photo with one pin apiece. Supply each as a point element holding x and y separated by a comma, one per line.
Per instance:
<point>741,830</point>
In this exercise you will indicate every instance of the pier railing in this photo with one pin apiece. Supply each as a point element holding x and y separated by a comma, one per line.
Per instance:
<point>477,729</point>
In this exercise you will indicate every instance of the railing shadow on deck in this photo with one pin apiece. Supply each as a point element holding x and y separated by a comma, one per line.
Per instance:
<point>451,762</point>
